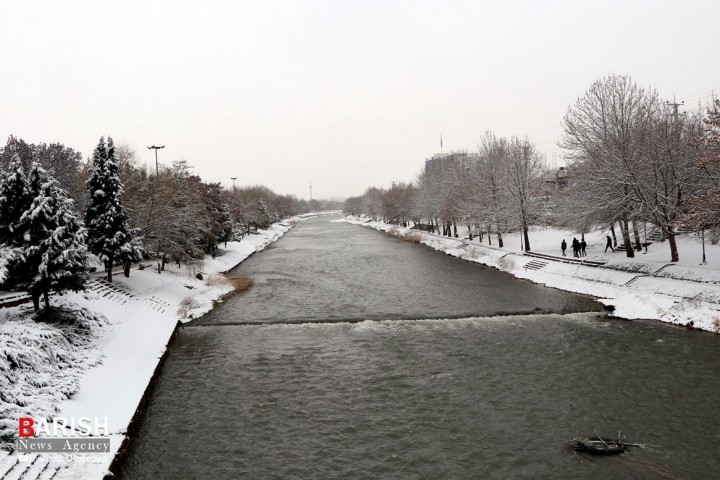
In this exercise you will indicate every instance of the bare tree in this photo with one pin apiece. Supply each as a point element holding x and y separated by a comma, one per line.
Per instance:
<point>704,203</point>
<point>605,132</point>
<point>523,169</point>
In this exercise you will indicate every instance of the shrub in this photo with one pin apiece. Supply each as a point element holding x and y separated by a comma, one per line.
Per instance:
<point>393,231</point>
<point>506,263</point>
<point>413,237</point>
<point>187,305</point>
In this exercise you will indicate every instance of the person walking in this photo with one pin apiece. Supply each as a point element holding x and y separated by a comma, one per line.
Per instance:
<point>583,253</point>
<point>575,247</point>
<point>609,245</point>
<point>563,247</point>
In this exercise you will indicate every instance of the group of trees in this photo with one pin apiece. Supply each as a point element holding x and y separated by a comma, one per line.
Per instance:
<point>495,190</point>
<point>636,159</point>
<point>632,159</point>
<point>128,215</point>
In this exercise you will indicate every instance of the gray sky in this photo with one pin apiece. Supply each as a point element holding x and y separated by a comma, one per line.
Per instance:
<point>345,94</point>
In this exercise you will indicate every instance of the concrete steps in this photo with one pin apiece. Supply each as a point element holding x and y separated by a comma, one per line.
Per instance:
<point>535,265</point>
<point>39,468</point>
<point>581,261</point>
<point>109,290</point>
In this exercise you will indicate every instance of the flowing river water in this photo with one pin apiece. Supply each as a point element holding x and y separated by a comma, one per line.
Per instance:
<point>429,367</point>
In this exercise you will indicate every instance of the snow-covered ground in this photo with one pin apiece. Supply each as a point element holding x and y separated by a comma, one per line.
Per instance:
<point>647,286</point>
<point>103,370</point>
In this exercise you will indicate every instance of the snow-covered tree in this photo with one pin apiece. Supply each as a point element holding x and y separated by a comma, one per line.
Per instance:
<point>605,133</point>
<point>63,163</point>
<point>14,201</point>
<point>54,251</point>
<point>703,212</point>
<point>41,238</point>
<point>109,235</point>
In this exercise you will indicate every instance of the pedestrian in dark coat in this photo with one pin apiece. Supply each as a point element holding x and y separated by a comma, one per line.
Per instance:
<point>609,244</point>
<point>563,247</point>
<point>575,247</point>
<point>582,249</point>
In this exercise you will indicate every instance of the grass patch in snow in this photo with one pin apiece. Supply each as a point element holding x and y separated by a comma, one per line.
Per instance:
<point>239,283</point>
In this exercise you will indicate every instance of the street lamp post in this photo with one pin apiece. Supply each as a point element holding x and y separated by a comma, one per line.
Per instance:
<point>157,175</point>
<point>233,179</point>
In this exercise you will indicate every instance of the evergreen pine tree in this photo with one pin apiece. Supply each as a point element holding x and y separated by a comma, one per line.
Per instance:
<point>226,222</point>
<point>109,235</point>
<point>14,201</point>
<point>54,256</point>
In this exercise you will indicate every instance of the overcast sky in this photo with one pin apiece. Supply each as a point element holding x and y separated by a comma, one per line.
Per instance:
<point>343,94</point>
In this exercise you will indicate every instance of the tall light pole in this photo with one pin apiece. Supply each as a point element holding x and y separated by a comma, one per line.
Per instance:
<point>157,175</point>
<point>233,179</point>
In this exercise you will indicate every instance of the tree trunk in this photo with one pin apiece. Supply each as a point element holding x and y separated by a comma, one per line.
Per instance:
<point>489,236</point>
<point>109,267</point>
<point>47,300</point>
<point>612,230</point>
<point>674,257</point>
<point>455,230</point>
<point>36,300</point>
<point>126,268</point>
<point>636,233</point>
<point>625,227</point>
<point>500,242</point>
<point>525,236</point>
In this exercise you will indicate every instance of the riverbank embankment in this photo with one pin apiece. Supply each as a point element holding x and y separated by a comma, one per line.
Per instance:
<point>644,287</point>
<point>104,372</point>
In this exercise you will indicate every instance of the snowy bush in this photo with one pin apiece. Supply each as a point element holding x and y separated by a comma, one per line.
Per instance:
<point>506,263</point>
<point>187,305</point>
<point>41,363</point>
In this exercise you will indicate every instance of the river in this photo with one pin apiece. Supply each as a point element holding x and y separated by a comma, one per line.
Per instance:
<point>427,367</point>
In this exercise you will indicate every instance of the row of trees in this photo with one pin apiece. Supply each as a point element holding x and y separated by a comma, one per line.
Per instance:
<point>632,158</point>
<point>128,214</point>
<point>496,190</point>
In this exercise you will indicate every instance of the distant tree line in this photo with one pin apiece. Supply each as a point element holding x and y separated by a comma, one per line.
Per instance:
<point>632,159</point>
<point>55,209</point>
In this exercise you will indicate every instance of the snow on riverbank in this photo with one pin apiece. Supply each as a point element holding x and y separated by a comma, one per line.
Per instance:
<point>105,372</point>
<point>645,287</point>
